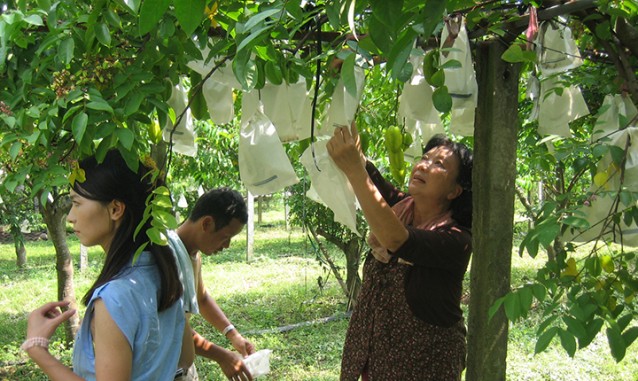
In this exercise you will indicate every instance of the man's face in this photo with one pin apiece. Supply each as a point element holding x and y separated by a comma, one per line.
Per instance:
<point>216,241</point>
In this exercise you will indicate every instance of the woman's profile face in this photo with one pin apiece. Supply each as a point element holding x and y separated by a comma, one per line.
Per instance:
<point>91,221</point>
<point>435,174</point>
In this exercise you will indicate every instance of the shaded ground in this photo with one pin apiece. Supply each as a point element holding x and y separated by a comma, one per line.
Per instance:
<point>5,237</point>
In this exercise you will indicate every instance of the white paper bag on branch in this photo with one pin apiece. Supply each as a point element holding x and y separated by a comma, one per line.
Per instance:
<point>183,135</point>
<point>264,167</point>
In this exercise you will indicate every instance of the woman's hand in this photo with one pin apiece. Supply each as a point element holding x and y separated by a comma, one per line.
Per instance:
<point>345,149</point>
<point>42,322</point>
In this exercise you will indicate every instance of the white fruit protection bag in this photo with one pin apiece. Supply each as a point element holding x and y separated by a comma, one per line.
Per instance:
<point>460,81</point>
<point>183,135</point>
<point>264,167</point>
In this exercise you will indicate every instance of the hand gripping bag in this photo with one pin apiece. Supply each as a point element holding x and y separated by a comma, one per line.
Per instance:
<point>331,185</point>
<point>264,167</point>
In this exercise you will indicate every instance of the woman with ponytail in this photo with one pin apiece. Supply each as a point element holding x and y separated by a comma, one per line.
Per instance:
<point>133,327</point>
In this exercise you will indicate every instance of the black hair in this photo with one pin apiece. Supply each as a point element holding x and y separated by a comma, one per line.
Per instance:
<point>112,179</point>
<point>462,205</point>
<point>223,204</point>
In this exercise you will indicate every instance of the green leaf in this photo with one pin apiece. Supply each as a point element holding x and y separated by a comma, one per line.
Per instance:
<point>65,50</point>
<point>254,35</point>
<point>616,343</point>
<point>100,105</point>
<point>543,341</point>
<point>381,37</point>
<point>133,102</point>
<point>526,299</point>
<point>539,291</point>
<point>273,73</point>
<point>495,307</point>
<point>568,342</point>
<point>512,306</point>
<point>401,52</point>
<point>577,222</point>
<point>630,335</point>
<point>139,251</point>
<point>433,16</point>
<point>575,327</point>
<point>34,20</point>
<point>253,21</point>
<point>348,76</point>
<point>126,137</point>
<point>15,150</point>
<point>442,99</point>
<point>150,14</point>
<point>103,34</point>
<point>515,54</point>
<point>189,13</point>
<point>166,219</point>
<point>78,126</point>
<point>133,4</point>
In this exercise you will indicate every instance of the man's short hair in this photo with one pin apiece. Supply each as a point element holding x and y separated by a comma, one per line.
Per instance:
<point>223,204</point>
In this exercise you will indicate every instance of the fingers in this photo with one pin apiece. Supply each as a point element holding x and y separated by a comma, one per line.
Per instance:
<point>241,376</point>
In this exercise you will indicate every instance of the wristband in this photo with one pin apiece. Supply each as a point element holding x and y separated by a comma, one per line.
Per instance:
<point>228,328</point>
<point>35,342</point>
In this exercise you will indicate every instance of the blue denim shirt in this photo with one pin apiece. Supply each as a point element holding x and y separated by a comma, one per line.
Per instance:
<point>155,337</point>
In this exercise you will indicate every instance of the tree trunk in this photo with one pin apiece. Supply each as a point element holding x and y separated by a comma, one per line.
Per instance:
<point>18,243</point>
<point>54,215</point>
<point>353,280</point>
<point>494,175</point>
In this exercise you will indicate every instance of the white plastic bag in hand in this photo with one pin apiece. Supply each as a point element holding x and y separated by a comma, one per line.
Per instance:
<point>183,135</point>
<point>331,184</point>
<point>264,167</point>
<point>258,363</point>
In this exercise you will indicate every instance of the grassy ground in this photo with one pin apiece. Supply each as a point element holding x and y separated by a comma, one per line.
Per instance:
<point>279,287</point>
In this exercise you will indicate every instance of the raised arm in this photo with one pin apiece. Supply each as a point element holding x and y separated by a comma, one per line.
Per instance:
<point>383,222</point>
